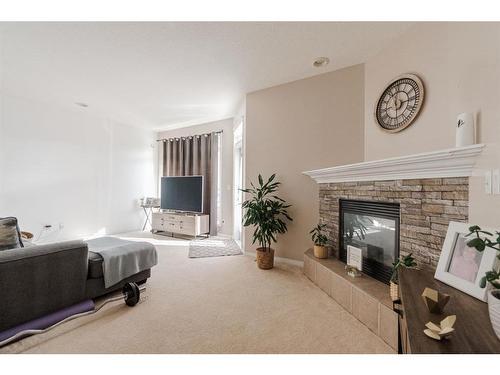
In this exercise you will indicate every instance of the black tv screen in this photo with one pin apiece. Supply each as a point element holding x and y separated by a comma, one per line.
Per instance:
<point>182,193</point>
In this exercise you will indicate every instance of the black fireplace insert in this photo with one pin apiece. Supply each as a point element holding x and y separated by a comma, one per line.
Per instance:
<point>372,227</point>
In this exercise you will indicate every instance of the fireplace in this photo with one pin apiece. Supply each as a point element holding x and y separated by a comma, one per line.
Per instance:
<point>374,228</point>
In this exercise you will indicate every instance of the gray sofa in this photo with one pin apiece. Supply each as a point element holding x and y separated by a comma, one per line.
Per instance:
<point>38,280</point>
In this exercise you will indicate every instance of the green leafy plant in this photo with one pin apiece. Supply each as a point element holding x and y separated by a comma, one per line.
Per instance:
<point>406,261</point>
<point>266,211</point>
<point>492,277</point>
<point>318,237</point>
<point>480,242</point>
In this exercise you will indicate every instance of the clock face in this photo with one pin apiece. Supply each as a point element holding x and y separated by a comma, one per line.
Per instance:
<point>400,103</point>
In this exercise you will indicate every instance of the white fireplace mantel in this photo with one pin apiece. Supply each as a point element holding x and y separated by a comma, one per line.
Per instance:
<point>453,162</point>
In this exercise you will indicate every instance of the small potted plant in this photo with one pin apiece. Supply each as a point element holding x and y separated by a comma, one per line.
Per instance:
<point>320,240</point>
<point>406,261</point>
<point>481,242</point>
<point>268,214</point>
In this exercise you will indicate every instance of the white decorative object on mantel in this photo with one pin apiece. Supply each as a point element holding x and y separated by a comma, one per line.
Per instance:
<point>453,162</point>
<point>465,131</point>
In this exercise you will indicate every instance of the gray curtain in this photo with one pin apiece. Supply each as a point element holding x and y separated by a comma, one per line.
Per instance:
<point>192,156</point>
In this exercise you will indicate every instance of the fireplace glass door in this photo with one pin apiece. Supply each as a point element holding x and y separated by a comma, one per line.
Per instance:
<point>372,227</point>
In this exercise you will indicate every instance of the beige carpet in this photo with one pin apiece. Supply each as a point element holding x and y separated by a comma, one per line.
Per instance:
<point>214,305</point>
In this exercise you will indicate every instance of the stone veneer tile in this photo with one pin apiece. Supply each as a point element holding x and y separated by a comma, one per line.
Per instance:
<point>423,203</point>
<point>388,326</point>
<point>310,268</point>
<point>342,292</point>
<point>365,309</point>
<point>324,279</point>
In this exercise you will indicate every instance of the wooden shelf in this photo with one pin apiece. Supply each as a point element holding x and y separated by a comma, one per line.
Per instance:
<point>473,331</point>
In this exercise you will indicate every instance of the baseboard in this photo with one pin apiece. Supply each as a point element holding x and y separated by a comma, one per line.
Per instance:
<point>293,262</point>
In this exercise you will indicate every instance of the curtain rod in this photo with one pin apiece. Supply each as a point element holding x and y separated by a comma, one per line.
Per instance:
<point>187,136</point>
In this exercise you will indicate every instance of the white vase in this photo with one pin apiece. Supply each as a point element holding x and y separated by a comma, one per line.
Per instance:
<point>465,130</point>
<point>494,310</point>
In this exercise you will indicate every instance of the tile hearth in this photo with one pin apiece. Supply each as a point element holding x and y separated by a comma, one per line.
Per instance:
<point>364,297</point>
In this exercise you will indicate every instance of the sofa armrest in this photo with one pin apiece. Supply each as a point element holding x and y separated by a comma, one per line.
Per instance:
<point>37,280</point>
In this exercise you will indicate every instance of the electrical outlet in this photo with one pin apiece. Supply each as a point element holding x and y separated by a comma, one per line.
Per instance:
<point>487,182</point>
<point>496,181</point>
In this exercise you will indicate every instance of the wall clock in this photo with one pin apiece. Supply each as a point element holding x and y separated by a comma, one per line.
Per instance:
<point>400,102</point>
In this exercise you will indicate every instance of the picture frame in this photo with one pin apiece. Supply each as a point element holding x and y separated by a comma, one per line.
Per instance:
<point>355,257</point>
<point>461,266</point>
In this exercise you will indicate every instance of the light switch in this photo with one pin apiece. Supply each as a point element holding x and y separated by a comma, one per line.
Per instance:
<point>496,181</point>
<point>487,181</point>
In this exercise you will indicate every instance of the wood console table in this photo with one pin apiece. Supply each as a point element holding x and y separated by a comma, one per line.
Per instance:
<point>473,331</point>
<point>187,224</point>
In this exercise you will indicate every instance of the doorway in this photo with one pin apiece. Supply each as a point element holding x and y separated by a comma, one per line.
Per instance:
<point>238,182</point>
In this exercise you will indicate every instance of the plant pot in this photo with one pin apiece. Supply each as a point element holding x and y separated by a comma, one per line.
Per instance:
<point>320,252</point>
<point>494,310</point>
<point>394,291</point>
<point>265,258</point>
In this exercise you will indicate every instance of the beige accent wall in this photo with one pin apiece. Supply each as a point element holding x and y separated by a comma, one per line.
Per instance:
<point>307,124</point>
<point>227,163</point>
<point>459,64</point>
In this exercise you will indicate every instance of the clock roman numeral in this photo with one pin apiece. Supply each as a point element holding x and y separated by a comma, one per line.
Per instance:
<point>404,92</point>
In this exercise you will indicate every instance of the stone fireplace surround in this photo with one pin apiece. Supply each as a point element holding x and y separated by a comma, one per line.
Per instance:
<point>432,190</point>
<point>426,207</point>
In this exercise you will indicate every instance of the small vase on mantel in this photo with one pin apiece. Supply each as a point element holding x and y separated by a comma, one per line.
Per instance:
<point>494,310</point>
<point>320,252</point>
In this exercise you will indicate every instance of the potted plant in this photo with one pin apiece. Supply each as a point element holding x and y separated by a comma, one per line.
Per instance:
<point>320,240</point>
<point>481,242</point>
<point>406,261</point>
<point>268,213</point>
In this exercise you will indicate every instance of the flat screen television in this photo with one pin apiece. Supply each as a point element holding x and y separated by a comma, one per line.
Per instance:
<point>183,193</point>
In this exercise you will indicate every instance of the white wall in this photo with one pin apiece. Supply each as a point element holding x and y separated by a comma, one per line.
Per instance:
<point>460,67</point>
<point>2,158</point>
<point>298,126</point>
<point>62,165</point>
<point>2,201</point>
<point>227,163</point>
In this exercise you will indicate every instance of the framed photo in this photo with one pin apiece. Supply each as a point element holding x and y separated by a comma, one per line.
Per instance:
<point>461,266</point>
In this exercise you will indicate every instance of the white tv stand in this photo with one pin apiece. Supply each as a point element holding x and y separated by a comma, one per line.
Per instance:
<point>184,223</point>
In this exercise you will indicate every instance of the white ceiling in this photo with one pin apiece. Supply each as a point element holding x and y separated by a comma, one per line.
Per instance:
<point>167,75</point>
